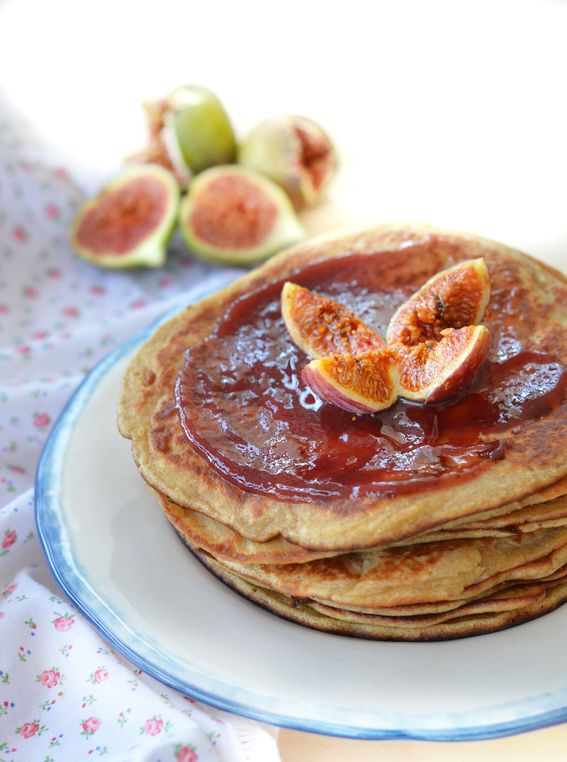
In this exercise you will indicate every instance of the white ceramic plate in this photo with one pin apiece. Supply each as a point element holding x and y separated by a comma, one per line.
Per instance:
<point>116,556</point>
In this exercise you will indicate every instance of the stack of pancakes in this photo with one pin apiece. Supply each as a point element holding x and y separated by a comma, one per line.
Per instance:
<point>446,546</point>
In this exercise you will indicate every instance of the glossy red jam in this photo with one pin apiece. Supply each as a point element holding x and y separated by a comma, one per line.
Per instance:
<point>244,407</point>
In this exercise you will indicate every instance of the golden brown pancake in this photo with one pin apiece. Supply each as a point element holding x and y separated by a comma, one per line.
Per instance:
<point>527,317</point>
<point>509,599</point>
<point>222,541</point>
<point>423,573</point>
<point>466,626</point>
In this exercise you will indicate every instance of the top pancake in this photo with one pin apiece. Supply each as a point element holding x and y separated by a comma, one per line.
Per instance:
<point>527,313</point>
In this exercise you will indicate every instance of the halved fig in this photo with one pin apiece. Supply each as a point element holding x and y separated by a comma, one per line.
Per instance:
<point>130,221</point>
<point>189,131</point>
<point>453,298</point>
<point>296,153</point>
<point>361,383</point>
<point>437,370</point>
<point>320,326</point>
<point>235,216</point>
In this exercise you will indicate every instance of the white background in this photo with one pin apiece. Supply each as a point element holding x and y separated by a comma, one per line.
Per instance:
<point>453,113</point>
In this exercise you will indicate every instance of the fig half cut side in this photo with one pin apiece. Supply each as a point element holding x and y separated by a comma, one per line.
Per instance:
<point>320,326</point>
<point>371,381</point>
<point>235,216</point>
<point>453,298</point>
<point>436,371</point>
<point>129,223</point>
<point>296,153</point>
<point>362,383</point>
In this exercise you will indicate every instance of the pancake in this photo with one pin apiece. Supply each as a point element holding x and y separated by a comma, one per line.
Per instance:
<point>510,599</point>
<point>466,626</point>
<point>509,460</point>
<point>223,542</point>
<point>423,573</point>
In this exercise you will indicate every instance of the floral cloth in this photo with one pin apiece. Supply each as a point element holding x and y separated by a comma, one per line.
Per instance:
<point>64,693</point>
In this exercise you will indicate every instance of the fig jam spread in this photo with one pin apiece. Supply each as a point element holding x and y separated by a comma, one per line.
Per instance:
<point>244,408</point>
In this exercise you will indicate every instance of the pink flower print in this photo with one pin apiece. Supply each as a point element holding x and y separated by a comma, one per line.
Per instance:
<point>61,173</point>
<point>9,590</point>
<point>90,726</point>
<point>49,678</point>
<point>165,282</point>
<point>185,754</point>
<point>71,312</point>
<point>97,290</point>
<point>19,234</point>
<point>8,540</point>
<point>153,726</point>
<point>63,623</point>
<point>4,309</point>
<point>52,211</point>
<point>53,272</point>
<point>28,729</point>
<point>40,334</point>
<point>23,349</point>
<point>16,468</point>
<point>30,292</point>
<point>138,304</point>
<point>41,420</point>
<point>100,675</point>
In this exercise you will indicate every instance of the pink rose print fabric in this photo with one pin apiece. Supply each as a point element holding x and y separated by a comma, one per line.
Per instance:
<point>65,694</point>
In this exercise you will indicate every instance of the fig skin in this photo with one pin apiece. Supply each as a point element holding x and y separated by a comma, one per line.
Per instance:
<point>202,127</point>
<point>296,153</point>
<point>363,383</point>
<point>320,326</point>
<point>151,249</point>
<point>453,298</point>
<point>189,131</point>
<point>254,208</point>
<point>435,372</point>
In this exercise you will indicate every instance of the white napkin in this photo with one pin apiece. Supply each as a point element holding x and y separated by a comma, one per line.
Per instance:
<point>64,693</point>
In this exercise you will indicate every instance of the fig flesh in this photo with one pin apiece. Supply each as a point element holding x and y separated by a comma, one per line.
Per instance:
<point>234,216</point>
<point>189,131</point>
<point>129,223</point>
<point>436,371</point>
<point>296,153</point>
<point>453,298</point>
<point>320,326</point>
<point>430,356</point>
<point>360,383</point>
<point>428,372</point>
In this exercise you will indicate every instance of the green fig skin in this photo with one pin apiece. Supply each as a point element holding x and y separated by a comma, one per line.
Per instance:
<point>281,231</point>
<point>150,250</point>
<point>201,126</point>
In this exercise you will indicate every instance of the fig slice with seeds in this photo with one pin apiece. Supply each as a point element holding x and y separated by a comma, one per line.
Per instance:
<point>362,383</point>
<point>438,370</point>
<point>453,298</point>
<point>320,326</point>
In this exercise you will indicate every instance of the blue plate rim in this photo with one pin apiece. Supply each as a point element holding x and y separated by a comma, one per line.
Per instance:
<point>47,487</point>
